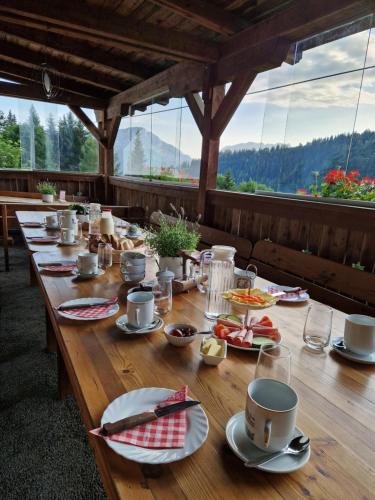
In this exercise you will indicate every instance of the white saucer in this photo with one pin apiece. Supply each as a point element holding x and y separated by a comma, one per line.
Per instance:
<point>367,359</point>
<point>245,450</point>
<point>52,227</point>
<point>66,244</point>
<point>123,325</point>
<point>88,276</point>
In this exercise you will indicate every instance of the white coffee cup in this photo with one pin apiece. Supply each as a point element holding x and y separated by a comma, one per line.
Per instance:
<point>67,235</point>
<point>271,411</point>
<point>51,221</point>
<point>140,308</point>
<point>359,333</point>
<point>87,263</point>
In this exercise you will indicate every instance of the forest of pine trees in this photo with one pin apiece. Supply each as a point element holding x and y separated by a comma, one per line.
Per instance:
<point>287,168</point>
<point>59,145</point>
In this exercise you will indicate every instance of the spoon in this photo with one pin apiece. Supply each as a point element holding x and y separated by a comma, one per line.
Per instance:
<point>297,445</point>
<point>139,330</point>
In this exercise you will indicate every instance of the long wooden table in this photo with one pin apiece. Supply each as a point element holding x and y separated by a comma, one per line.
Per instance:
<point>337,399</point>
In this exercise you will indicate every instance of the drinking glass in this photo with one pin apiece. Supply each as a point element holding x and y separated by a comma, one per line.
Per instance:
<point>274,362</point>
<point>318,326</point>
<point>104,255</point>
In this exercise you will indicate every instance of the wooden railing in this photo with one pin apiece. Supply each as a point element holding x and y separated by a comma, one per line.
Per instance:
<point>344,234</point>
<point>90,185</point>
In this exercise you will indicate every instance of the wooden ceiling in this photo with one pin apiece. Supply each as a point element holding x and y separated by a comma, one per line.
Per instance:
<point>111,52</point>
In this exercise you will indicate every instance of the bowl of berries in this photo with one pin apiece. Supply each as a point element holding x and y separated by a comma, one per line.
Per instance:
<point>180,334</point>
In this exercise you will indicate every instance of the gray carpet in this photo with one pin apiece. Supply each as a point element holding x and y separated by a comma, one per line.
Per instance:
<point>44,453</point>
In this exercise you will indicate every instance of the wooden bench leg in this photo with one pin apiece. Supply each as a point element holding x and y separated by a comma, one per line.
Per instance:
<point>51,345</point>
<point>33,279</point>
<point>64,386</point>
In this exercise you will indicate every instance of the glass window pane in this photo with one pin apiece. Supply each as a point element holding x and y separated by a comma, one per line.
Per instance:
<point>362,152</point>
<point>133,146</point>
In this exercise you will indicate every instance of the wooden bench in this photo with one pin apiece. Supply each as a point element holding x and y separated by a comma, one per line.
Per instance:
<point>351,290</point>
<point>211,236</point>
<point>136,215</point>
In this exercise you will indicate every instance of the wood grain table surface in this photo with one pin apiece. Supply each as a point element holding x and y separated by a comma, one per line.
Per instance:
<point>337,399</point>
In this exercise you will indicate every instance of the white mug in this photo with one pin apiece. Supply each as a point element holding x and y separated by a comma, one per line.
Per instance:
<point>87,263</point>
<point>271,411</point>
<point>140,308</point>
<point>359,333</point>
<point>67,235</point>
<point>51,220</point>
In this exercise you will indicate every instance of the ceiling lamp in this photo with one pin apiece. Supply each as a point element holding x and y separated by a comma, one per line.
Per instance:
<point>50,81</point>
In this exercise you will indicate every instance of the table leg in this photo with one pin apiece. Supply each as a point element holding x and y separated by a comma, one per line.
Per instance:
<point>33,278</point>
<point>65,388</point>
<point>50,334</point>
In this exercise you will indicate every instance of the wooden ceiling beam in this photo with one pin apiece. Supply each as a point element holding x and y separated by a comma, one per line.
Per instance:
<point>91,127</point>
<point>315,15</point>
<point>112,29</point>
<point>34,93</point>
<point>30,58</point>
<point>26,74</point>
<point>230,103</point>
<point>64,46</point>
<point>175,81</point>
<point>205,14</point>
<point>267,56</point>
<point>196,106</point>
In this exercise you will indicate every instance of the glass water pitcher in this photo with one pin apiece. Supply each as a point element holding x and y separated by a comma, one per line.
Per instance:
<point>220,279</point>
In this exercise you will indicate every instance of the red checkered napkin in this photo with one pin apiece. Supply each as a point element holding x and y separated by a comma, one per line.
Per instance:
<point>165,432</point>
<point>59,269</point>
<point>92,312</point>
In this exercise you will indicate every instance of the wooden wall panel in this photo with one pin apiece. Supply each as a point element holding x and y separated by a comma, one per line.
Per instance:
<point>90,185</point>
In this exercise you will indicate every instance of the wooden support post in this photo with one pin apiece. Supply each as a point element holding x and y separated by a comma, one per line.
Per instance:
<point>218,109</point>
<point>212,97</point>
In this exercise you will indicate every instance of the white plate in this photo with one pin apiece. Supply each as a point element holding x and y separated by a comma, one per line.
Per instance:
<point>113,310</point>
<point>301,298</point>
<point>244,449</point>
<point>366,359</point>
<point>88,276</point>
<point>257,349</point>
<point>122,324</point>
<point>141,400</point>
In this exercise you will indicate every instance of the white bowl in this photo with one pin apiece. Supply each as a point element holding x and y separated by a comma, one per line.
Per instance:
<point>214,360</point>
<point>179,341</point>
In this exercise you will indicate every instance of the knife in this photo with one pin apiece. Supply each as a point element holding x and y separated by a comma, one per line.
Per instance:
<point>143,418</point>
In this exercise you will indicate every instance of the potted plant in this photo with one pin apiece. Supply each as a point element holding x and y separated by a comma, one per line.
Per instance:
<point>47,190</point>
<point>81,211</point>
<point>173,236</point>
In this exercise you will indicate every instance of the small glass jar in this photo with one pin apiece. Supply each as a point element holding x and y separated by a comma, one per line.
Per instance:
<point>104,255</point>
<point>162,291</point>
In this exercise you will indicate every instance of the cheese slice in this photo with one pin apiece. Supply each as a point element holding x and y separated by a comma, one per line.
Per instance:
<point>214,350</point>
<point>206,346</point>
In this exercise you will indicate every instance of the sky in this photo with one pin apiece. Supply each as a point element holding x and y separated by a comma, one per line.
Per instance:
<point>290,115</point>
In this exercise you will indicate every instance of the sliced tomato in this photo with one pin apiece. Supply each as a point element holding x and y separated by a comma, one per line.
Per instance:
<point>265,321</point>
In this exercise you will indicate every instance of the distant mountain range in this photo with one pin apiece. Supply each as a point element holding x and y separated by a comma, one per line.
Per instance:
<point>243,146</point>
<point>132,152</point>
